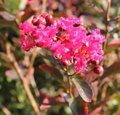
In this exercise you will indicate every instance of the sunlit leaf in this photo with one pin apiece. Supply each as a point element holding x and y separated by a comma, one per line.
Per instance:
<point>13,6</point>
<point>84,89</point>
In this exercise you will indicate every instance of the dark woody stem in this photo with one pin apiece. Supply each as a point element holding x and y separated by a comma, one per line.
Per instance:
<point>107,23</point>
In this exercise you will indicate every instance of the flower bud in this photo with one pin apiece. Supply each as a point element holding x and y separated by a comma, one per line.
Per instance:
<point>35,34</point>
<point>35,20</point>
<point>38,20</point>
<point>42,21</point>
<point>98,69</point>
<point>44,14</point>
<point>49,19</point>
<point>95,62</point>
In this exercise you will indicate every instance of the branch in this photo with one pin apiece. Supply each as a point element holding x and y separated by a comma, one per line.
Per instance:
<point>43,9</point>
<point>34,54</point>
<point>97,109</point>
<point>116,18</point>
<point>23,79</point>
<point>5,110</point>
<point>107,23</point>
<point>33,83</point>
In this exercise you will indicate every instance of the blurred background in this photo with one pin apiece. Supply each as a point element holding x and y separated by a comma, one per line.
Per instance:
<point>13,97</point>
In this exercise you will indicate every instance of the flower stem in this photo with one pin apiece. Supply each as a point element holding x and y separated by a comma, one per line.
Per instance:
<point>85,108</point>
<point>70,85</point>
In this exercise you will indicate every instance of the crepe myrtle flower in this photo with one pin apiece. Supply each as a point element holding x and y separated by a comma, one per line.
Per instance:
<point>66,38</point>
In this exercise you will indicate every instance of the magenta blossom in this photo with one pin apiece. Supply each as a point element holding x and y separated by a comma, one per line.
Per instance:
<point>69,41</point>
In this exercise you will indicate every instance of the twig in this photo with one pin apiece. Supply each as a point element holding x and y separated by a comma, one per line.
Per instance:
<point>43,6</point>
<point>97,9</point>
<point>116,18</point>
<point>107,23</point>
<point>34,86</point>
<point>98,107</point>
<point>23,79</point>
<point>31,63</point>
<point>5,110</point>
<point>33,83</point>
<point>104,91</point>
<point>105,100</point>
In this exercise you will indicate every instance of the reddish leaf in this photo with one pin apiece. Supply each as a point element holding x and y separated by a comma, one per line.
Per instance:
<point>90,76</point>
<point>97,111</point>
<point>52,101</point>
<point>51,70</point>
<point>11,24</point>
<point>27,14</point>
<point>7,16</point>
<point>114,68</point>
<point>12,74</point>
<point>114,44</point>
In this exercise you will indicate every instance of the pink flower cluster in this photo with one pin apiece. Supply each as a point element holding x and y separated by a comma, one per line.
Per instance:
<point>69,41</point>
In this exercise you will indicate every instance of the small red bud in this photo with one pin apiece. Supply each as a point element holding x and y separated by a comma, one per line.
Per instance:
<point>49,18</point>
<point>38,20</point>
<point>44,14</point>
<point>35,20</point>
<point>42,21</point>
<point>98,69</point>
<point>95,62</point>
<point>35,34</point>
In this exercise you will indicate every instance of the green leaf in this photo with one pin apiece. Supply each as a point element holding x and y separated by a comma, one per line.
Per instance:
<point>83,88</point>
<point>51,70</point>
<point>114,68</point>
<point>76,106</point>
<point>13,6</point>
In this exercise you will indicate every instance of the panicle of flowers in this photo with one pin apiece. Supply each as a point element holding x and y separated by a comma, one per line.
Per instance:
<point>69,41</point>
